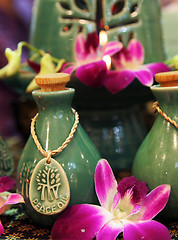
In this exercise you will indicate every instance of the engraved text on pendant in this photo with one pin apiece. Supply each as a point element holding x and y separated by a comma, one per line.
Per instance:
<point>49,190</point>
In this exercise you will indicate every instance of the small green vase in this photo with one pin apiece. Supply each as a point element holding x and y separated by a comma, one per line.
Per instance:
<point>78,160</point>
<point>156,161</point>
<point>6,159</point>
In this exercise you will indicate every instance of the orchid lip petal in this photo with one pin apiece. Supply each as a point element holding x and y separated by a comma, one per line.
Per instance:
<point>81,221</point>
<point>147,230</point>
<point>137,189</point>
<point>105,184</point>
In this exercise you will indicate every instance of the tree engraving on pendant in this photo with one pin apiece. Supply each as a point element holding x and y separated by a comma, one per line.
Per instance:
<point>48,179</point>
<point>49,190</point>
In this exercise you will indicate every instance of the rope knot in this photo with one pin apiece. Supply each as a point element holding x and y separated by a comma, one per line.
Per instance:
<point>155,106</point>
<point>48,158</point>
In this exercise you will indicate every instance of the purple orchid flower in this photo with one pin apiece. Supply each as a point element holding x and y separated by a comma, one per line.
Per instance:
<point>7,198</point>
<point>89,65</point>
<point>125,207</point>
<point>128,65</point>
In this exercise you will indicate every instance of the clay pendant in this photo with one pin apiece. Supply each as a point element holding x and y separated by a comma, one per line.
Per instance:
<point>49,190</point>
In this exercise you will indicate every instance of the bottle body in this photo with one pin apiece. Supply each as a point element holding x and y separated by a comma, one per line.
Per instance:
<point>156,161</point>
<point>78,159</point>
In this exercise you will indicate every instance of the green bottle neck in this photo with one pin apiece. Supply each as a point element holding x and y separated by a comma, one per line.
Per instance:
<point>168,99</point>
<point>55,103</point>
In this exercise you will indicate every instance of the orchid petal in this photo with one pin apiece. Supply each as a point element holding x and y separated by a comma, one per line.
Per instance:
<point>7,199</point>
<point>105,184</point>
<point>80,53</point>
<point>122,60</point>
<point>59,65</point>
<point>136,51</point>
<point>3,199</point>
<point>13,66</point>
<point>6,183</point>
<point>136,209</point>
<point>66,64</point>
<point>157,68</point>
<point>92,74</point>
<point>111,48</point>
<point>46,66</point>
<point>118,80</point>
<point>1,228</point>
<point>144,76</point>
<point>110,230</point>
<point>116,200</point>
<point>80,222</point>
<point>13,198</point>
<point>154,202</point>
<point>69,70</point>
<point>85,49</point>
<point>148,230</point>
<point>34,66</point>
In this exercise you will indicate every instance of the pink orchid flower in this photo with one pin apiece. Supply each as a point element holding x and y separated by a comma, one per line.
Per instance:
<point>125,207</point>
<point>128,65</point>
<point>7,198</point>
<point>89,64</point>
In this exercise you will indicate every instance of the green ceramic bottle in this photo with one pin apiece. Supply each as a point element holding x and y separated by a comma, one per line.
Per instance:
<point>47,188</point>
<point>156,161</point>
<point>6,159</point>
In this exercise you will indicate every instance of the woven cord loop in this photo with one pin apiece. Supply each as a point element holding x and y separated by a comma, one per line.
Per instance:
<point>50,153</point>
<point>156,106</point>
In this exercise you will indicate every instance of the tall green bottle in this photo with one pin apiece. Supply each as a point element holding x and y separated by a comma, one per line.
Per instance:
<point>156,161</point>
<point>69,176</point>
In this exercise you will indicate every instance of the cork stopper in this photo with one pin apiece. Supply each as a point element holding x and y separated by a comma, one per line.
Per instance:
<point>167,79</point>
<point>52,82</point>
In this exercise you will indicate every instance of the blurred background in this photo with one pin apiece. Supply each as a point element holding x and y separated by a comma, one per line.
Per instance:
<point>15,18</point>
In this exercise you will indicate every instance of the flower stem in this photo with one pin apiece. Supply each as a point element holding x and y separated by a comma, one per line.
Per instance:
<point>40,52</point>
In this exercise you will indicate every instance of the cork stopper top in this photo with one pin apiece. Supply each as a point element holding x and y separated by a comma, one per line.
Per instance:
<point>52,82</point>
<point>167,79</point>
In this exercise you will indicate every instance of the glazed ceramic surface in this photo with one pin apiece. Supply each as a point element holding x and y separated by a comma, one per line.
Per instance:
<point>56,23</point>
<point>6,160</point>
<point>77,161</point>
<point>156,161</point>
<point>117,133</point>
<point>122,20</point>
